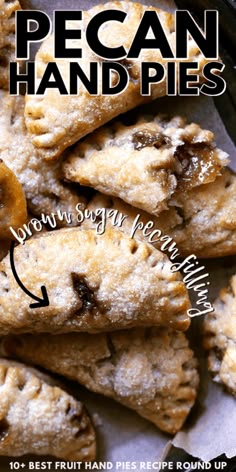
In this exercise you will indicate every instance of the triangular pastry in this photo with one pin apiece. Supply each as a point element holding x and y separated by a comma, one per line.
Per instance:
<point>38,417</point>
<point>146,164</point>
<point>56,121</point>
<point>153,371</point>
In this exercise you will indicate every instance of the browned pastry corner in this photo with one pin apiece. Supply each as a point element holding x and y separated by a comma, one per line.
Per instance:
<point>220,337</point>
<point>146,164</point>
<point>153,371</point>
<point>94,283</point>
<point>56,121</point>
<point>201,221</point>
<point>38,417</point>
<point>42,182</point>
<point>7,38</point>
<point>4,248</point>
<point>13,211</point>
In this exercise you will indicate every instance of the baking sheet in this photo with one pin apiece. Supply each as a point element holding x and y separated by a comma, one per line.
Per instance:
<point>123,435</point>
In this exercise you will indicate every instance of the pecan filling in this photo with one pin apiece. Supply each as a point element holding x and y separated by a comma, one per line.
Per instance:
<point>146,138</point>
<point>85,294</point>
<point>199,164</point>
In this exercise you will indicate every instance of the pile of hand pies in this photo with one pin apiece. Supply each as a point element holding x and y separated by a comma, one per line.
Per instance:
<point>116,314</point>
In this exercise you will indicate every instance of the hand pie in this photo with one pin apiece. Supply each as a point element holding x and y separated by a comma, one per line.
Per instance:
<point>153,371</point>
<point>37,417</point>
<point>220,337</point>
<point>94,283</point>
<point>201,221</point>
<point>148,163</point>
<point>7,38</point>
<point>42,182</point>
<point>56,121</point>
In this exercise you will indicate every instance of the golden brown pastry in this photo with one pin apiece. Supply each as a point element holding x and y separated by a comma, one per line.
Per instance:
<point>147,163</point>
<point>13,211</point>
<point>38,417</point>
<point>153,371</point>
<point>7,38</point>
<point>4,247</point>
<point>208,214</point>
<point>220,337</point>
<point>201,221</point>
<point>42,182</point>
<point>94,283</point>
<point>56,121</point>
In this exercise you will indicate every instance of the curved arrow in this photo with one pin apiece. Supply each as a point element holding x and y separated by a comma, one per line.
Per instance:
<point>40,302</point>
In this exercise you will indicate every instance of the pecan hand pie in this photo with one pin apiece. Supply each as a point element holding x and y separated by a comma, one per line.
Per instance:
<point>7,38</point>
<point>94,283</point>
<point>38,417</point>
<point>201,221</point>
<point>56,121</point>
<point>147,163</point>
<point>153,370</point>
<point>220,337</point>
<point>42,182</point>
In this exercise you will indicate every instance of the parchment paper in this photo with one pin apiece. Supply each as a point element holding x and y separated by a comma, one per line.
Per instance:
<point>123,435</point>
